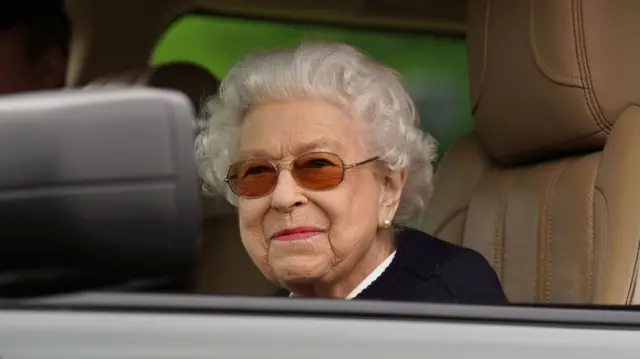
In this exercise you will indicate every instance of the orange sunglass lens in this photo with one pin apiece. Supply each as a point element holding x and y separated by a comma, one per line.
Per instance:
<point>253,178</point>
<point>318,171</point>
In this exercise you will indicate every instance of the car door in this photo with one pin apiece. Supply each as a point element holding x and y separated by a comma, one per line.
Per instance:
<point>128,326</point>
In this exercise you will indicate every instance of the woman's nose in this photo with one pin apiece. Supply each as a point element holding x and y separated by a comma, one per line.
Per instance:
<point>287,195</point>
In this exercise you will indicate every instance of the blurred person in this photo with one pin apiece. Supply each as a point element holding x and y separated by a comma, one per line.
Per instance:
<point>34,45</point>
<point>320,149</point>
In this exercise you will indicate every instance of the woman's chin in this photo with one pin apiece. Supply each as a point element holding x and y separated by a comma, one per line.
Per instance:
<point>298,272</point>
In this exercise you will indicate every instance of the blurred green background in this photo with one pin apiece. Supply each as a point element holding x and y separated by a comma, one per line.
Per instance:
<point>433,68</point>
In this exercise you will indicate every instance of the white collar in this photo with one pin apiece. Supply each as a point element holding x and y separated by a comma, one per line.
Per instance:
<point>369,279</point>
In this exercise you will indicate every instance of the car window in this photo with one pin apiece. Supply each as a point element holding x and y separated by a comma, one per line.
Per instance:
<point>433,66</point>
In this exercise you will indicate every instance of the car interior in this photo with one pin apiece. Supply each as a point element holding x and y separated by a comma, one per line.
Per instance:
<point>543,184</point>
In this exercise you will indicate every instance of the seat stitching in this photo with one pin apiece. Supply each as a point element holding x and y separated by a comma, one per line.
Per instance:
<point>537,56</point>
<point>583,65</point>
<point>545,260</point>
<point>591,233</point>
<point>632,285</point>
<point>605,248</point>
<point>501,223</point>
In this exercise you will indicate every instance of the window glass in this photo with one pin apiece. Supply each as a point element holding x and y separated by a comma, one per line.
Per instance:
<point>433,67</point>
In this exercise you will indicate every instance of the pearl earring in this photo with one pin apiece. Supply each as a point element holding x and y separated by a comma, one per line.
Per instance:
<point>386,223</point>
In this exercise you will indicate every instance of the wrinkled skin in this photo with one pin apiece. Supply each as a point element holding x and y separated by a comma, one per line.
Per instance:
<point>350,242</point>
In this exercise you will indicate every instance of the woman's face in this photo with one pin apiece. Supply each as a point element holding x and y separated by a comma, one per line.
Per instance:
<point>343,221</point>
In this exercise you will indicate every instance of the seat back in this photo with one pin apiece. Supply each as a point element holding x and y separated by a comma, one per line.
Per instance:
<point>224,267</point>
<point>547,188</point>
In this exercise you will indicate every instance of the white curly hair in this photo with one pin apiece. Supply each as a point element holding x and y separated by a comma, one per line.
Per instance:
<point>338,74</point>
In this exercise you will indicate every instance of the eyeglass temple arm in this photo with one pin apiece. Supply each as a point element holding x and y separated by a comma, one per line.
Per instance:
<point>361,162</point>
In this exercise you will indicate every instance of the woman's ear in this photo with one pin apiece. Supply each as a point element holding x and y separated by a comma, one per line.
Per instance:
<point>394,182</point>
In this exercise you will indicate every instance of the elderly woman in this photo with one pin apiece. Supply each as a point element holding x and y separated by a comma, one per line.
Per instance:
<point>320,149</point>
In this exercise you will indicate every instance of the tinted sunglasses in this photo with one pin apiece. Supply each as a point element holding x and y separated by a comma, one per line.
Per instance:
<point>317,171</point>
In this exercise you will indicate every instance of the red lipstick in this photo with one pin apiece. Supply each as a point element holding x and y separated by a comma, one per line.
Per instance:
<point>292,234</point>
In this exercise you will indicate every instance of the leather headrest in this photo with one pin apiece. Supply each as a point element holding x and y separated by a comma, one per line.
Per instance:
<point>191,79</point>
<point>550,77</point>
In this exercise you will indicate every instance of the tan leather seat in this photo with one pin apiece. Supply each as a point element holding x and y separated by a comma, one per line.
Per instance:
<point>224,266</point>
<point>548,186</point>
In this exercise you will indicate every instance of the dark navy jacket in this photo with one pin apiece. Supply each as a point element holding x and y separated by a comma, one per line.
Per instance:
<point>426,269</point>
